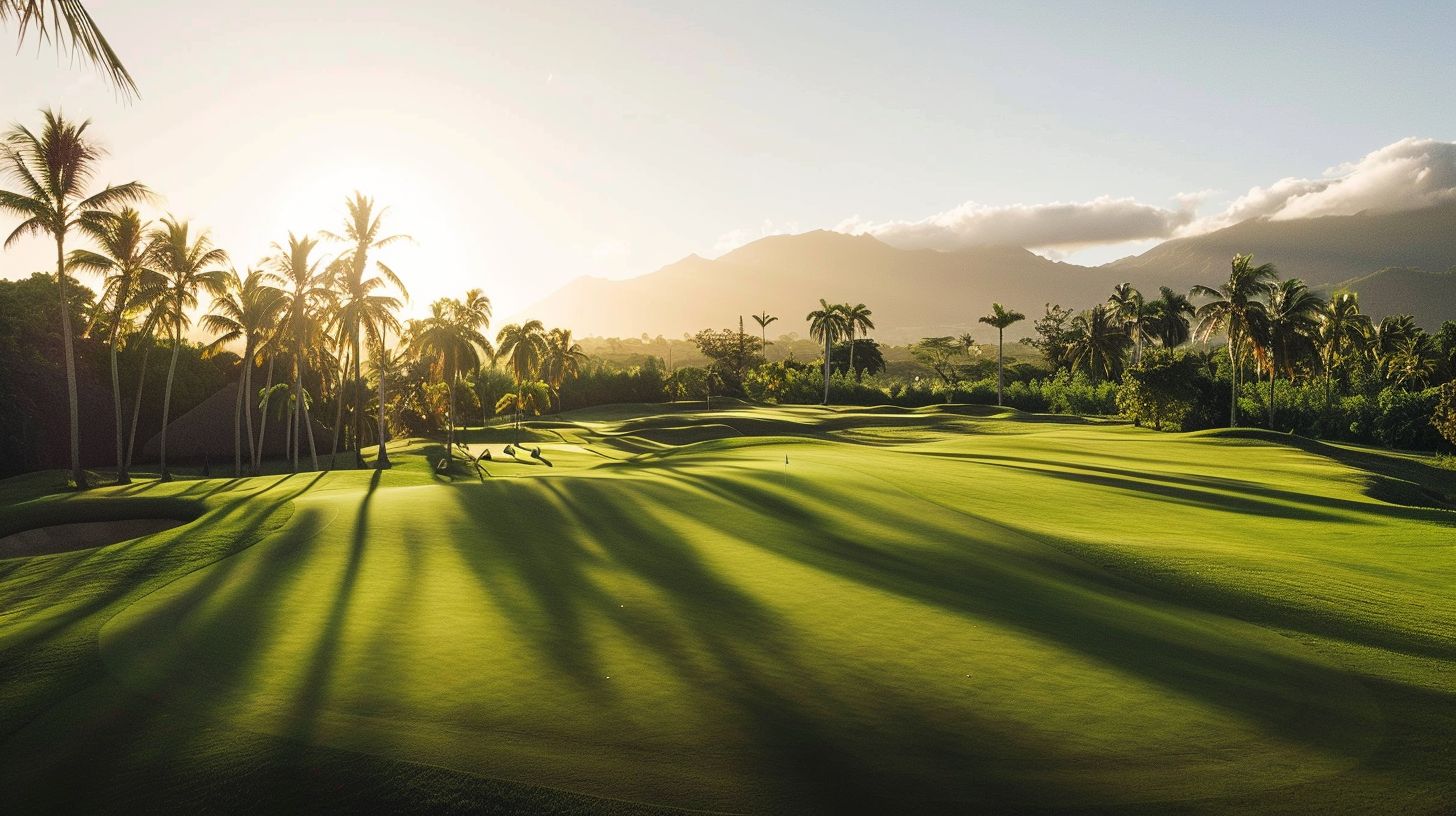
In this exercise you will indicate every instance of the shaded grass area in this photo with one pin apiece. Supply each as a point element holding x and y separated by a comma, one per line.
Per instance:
<point>764,610</point>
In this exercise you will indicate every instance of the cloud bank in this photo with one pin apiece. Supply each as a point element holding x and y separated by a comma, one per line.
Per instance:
<point>1408,174</point>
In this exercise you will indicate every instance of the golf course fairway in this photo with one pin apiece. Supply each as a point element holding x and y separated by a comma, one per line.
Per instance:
<point>754,609</point>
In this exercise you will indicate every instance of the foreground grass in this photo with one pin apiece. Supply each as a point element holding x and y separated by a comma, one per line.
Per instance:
<point>754,610</point>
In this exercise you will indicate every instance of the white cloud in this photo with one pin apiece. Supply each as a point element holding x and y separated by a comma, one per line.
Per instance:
<point>1407,175</point>
<point>1057,225</point>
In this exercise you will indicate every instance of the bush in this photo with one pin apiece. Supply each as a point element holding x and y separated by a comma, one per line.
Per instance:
<point>1158,390</point>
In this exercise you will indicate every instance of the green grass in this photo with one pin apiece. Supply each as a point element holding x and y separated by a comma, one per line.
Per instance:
<point>924,609</point>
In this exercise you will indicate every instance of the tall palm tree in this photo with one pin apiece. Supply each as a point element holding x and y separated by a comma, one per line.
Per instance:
<point>454,335</point>
<point>1170,313</point>
<point>54,168</point>
<point>563,360</point>
<point>1098,342</point>
<point>384,363</point>
<point>1001,317</point>
<point>826,323</point>
<point>305,283</point>
<point>1341,326</point>
<point>856,319</point>
<point>1291,321</point>
<point>246,308</point>
<point>1414,361</point>
<point>1387,339</point>
<point>763,319</point>
<point>529,395</point>
<point>524,347</point>
<point>128,285</point>
<point>70,27</point>
<point>1235,310</point>
<point>1127,303</point>
<point>363,230</point>
<point>186,266</point>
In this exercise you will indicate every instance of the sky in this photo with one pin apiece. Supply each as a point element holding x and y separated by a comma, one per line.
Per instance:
<point>525,144</point>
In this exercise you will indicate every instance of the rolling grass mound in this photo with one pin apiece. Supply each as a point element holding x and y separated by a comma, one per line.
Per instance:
<point>767,610</point>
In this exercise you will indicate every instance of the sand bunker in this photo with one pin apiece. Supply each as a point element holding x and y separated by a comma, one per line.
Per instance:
<point>83,536</point>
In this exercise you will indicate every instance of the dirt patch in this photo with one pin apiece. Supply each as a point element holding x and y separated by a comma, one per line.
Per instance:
<point>82,536</point>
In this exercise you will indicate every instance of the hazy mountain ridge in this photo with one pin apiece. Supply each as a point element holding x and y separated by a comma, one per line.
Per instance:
<point>1397,261</point>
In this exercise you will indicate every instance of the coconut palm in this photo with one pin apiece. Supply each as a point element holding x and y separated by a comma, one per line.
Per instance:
<point>1001,317</point>
<point>70,27</point>
<point>54,168</point>
<point>384,363</point>
<point>856,320</point>
<point>763,319</point>
<point>1098,342</point>
<point>453,335</point>
<point>1342,327</point>
<point>1414,361</point>
<point>1235,309</point>
<point>1387,339</point>
<point>826,323</point>
<point>128,286</point>
<point>563,360</point>
<point>524,347</point>
<point>1128,304</point>
<point>358,292</point>
<point>186,265</point>
<point>1291,321</point>
<point>305,285</point>
<point>1168,321</point>
<point>246,309</point>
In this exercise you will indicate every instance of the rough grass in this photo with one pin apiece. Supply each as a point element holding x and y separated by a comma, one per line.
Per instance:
<point>928,609</point>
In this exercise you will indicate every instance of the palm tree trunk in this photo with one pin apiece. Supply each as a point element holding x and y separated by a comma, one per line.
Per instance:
<point>297,403</point>
<point>1000,364</point>
<point>338,411</point>
<point>238,416</point>
<point>307,426</point>
<point>167,398</point>
<point>122,477</point>
<point>77,474</point>
<point>1233,383</point>
<point>358,397</point>
<point>248,403</point>
<point>263,421</point>
<point>136,405</point>
<point>1273,370</point>
<point>826,368</point>
<point>851,355</point>
<point>381,459</point>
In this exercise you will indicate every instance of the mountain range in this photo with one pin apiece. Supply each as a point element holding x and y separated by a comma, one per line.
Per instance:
<point>1399,262</point>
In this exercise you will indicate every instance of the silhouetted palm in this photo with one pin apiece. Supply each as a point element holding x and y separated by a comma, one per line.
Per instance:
<point>306,285</point>
<point>186,265</point>
<point>1001,317</point>
<point>1235,308</point>
<point>70,27</point>
<point>246,309</point>
<point>1098,342</point>
<point>1170,313</point>
<point>563,360</point>
<point>453,334</point>
<point>856,320</point>
<point>1342,327</point>
<point>827,324</point>
<point>1288,330</point>
<point>53,169</point>
<point>763,319</point>
<point>529,395</point>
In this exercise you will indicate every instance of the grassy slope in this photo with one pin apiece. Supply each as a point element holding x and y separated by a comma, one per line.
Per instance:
<point>928,606</point>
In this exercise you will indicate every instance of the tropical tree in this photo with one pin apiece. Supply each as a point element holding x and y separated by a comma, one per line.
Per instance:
<point>306,288</point>
<point>186,266</point>
<point>1386,340</point>
<point>1137,318</point>
<point>563,360</point>
<point>453,335</point>
<point>384,363</point>
<point>360,298</point>
<point>1097,343</point>
<point>524,347</point>
<point>247,308</point>
<point>128,285</point>
<point>529,396</point>
<point>763,319</point>
<point>1001,317</point>
<point>1342,328</point>
<point>1235,309</point>
<point>70,27</point>
<point>827,324</point>
<point>54,169</point>
<point>1168,321</point>
<point>856,320</point>
<point>1287,331</point>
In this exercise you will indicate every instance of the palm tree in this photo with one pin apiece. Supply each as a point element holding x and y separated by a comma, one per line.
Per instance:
<point>53,170</point>
<point>1000,317</point>
<point>1414,361</point>
<point>563,360</point>
<point>524,346</point>
<point>1235,310</point>
<point>70,27</point>
<point>1127,304</point>
<point>1098,342</point>
<point>1341,325</point>
<point>1292,319</point>
<point>384,363</point>
<point>763,319</point>
<point>530,395</point>
<point>246,309</point>
<point>454,335</point>
<point>1387,339</point>
<point>128,285</point>
<point>306,290</point>
<point>359,294</point>
<point>856,319</point>
<point>1170,313</point>
<point>185,266</point>
<point>826,323</point>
